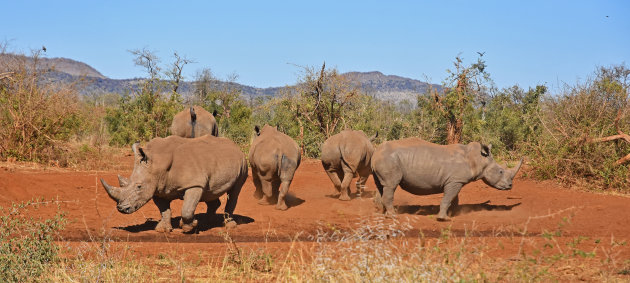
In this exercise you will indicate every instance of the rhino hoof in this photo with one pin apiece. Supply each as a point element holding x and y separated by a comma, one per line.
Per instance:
<point>344,197</point>
<point>163,228</point>
<point>230,224</point>
<point>282,207</point>
<point>443,219</point>
<point>264,201</point>
<point>188,228</point>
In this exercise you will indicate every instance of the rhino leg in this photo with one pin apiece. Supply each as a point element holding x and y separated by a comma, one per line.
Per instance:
<point>450,193</point>
<point>387,198</point>
<point>345,185</point>
<point>386,188</point>
<point>230,205</point>
<point>334,177</point>
<point>267,189</point>
<point>213,205</point>
<point>363,176</point>
<point>282,192</point>
<point>165,210</point>
<point>191,199</point>
<point>454,206</point>
<point>258,194</point>
<point>378,202</point>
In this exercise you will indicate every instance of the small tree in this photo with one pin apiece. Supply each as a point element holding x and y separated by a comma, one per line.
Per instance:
<point>464,87</point>
<point>233,115</point>
<point>147,112</point>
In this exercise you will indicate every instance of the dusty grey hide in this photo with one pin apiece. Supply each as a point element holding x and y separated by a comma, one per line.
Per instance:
<point>274,158</point>
<point>194,122</point>
<point>199,169</point>
<point>424,168</point>
<point>346,155</point>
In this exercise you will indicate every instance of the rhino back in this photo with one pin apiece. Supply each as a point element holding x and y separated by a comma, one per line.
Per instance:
<point>349,146</point>
<point>209,162</point>
<point>268,150</point>
<point>206,123</point>
<point>425,167</point>
<point>182,123</point>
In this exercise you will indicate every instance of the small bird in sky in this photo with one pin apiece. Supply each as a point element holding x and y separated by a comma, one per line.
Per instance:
<point>481,53</point>
<point>44,48</point>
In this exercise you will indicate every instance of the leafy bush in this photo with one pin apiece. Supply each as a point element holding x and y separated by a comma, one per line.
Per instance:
<point>148,111</point>
<point>37,117</point>
<point>142,116</point>
<point>571,121</point>
<point>27,246</point>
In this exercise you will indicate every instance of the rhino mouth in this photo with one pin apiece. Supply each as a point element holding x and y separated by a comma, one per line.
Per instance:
<point>126,209</point>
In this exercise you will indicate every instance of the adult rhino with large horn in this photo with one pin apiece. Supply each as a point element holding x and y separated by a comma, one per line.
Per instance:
<point>346,155</point>
<point>200,169</point>
<point>424,168</point>
<point>194,122</point>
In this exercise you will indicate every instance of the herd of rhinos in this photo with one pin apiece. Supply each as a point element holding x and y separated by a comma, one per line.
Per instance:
<point>195,165</point>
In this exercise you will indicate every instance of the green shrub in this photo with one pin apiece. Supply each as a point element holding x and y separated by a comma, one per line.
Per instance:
<point>27,246</point>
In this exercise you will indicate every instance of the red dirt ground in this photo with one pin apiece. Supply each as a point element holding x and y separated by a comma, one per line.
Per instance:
<point>486,212</point>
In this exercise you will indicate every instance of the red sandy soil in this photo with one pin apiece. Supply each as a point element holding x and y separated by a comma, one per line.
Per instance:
<point>538,207</point>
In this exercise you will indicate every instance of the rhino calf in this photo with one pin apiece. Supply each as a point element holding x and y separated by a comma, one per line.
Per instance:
<point>274,158</point>
<point>200,169</point>
<point>424,168</point>
<point>194,122</point>
<point>346,155</point>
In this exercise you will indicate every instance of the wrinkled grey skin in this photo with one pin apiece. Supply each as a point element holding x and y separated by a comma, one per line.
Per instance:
<point>424,168</point>
<point>200,169</point>
<point>194,122</point>
<point>346,155</point>
<point>274,158</point>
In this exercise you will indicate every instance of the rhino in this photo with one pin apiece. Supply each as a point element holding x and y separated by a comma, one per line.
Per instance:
<point>195,122</point>
<point>274,158</point>
<point>424,168</point>
<point>346,155</point>
<point>199,169</point>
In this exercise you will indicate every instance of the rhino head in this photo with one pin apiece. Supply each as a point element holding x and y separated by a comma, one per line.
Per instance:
<point>495,175</point>
<point>136,191</point>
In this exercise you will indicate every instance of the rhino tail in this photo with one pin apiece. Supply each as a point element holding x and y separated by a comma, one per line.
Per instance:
<point>193,121</point>
<point>286,167</point>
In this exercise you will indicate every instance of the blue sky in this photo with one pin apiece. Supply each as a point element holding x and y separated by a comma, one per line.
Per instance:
<point>525,42</point>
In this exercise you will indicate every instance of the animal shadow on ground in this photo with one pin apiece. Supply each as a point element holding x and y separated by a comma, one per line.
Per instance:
<point>204,223</point>
<point>461,209</point>
<point>365,194</point>
<point>292,200</point>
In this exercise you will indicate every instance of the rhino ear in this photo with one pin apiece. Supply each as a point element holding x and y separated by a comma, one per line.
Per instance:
<point>374,136</point>
<point>257,129</point>
<point>145,158</point>
<point>485,150</point>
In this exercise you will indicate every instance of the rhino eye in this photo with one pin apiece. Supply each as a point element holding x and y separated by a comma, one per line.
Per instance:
<point>500,171</point>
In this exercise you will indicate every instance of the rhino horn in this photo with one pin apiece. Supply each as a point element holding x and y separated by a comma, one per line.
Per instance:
<point>514,170</point>
<point>122,181</point>
<point>114,192</point>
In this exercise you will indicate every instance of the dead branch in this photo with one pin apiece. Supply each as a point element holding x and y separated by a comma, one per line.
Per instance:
<point>621,135</point>
<point>6,75</point>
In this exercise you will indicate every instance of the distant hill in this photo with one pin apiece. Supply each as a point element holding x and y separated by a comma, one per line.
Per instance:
<point>62,65</point>
<point>390,87</point>
<point>376,84</point>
